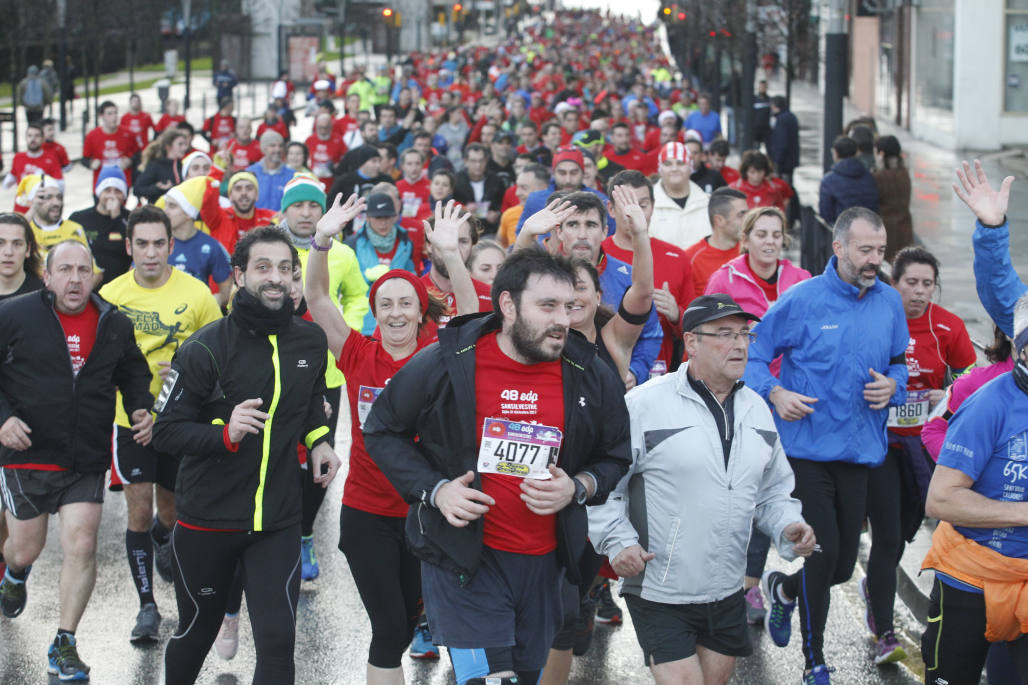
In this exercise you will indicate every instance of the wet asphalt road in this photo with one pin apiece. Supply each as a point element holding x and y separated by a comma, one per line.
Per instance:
<point>333,631</point>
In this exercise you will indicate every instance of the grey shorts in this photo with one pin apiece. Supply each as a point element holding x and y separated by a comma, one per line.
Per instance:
<point>28,493</point>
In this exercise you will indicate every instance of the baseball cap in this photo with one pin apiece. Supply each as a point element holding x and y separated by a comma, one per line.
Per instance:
<point>504,135</point>
<point>587,138</point>
<point>711,308</point>
<point>380,204</point>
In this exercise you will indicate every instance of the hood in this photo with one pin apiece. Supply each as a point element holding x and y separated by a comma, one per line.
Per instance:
<point>851,167</point>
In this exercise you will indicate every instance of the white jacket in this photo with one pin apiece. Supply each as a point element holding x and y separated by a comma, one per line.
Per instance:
<point>680,502</point>
<point>681,226</point>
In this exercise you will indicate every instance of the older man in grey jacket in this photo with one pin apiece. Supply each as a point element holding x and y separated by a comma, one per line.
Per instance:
<point>706,463</point>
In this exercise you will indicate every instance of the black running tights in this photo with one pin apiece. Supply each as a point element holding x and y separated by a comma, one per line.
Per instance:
<point>203,563</point>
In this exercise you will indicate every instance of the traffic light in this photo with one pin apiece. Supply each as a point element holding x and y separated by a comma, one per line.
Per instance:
<point>667,11</point>
<point>681,16</point>
<point>457,8</point>
<point>387,13</point>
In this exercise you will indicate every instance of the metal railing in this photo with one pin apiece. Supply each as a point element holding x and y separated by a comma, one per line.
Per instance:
<point>815,241</point>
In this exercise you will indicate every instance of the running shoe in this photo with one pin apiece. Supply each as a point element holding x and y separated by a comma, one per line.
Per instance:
<point>148,624</point>
<point>421,646</point>
<point>64,661</point>
<point>778,619</point>
<point>227,642</point>
<point>607,610</point>
<point>584,626</point>
<point>308,559</point>
<point>819,675</point>
<point>161,554</point>
<point>755,609</point>
<point>889,649</point>
<point>13,595</point>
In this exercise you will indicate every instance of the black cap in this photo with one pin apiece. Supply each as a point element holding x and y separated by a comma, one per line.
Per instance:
<point>380,204</point>
<point>504,135</point>
<point>711,308</point>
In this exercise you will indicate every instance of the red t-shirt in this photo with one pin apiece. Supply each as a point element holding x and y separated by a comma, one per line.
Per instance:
<point>244,155</point>
<point>42,162</point>
<point>770,289</point>
<point>938,339</point>
<point>57,151</point>
<point>485,304</point>
<point>671,266</point>
<point>633,159</point>
<point>416,207</point>
<point>279,126</point>
<point>705,260</point>
<point>539,391</point>
<point>167,120</point>
<point>80,334</point>
<point>219,128</point>
<point>324,155</point>
<point>729,174</point>
<point>367,367</point>
<point>343,125</point>
<point>139,126</point>
<point>109,148</point>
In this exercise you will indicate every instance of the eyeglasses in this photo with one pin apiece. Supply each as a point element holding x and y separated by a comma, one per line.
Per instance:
<point>729,336</point>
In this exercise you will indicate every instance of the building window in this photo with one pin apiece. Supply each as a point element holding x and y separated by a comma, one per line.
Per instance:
<point>1015,90</point>
<point>933,89</point>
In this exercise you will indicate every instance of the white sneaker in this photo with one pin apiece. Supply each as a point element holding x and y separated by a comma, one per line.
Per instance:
<point>227,642</point>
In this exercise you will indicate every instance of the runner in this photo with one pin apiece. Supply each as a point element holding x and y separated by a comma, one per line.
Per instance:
<point>939,347</point>
<point>371,522</point>
<point>686,601</point>
<point>228,224</point>
<point>20,263</point>
<point>493,544</point>
<point>842,338</point>
<point>165,306</point>
<point>55,443</point>
<point>238,398</point>
<point>104,223</point>
<point>980,550</point>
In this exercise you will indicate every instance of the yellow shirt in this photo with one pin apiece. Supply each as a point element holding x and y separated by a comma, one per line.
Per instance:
<point>509,225</point>
<point>53,235</point>
<point>162,317</point>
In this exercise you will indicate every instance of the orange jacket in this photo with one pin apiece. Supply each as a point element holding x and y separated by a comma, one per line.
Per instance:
<point>1004,579</point>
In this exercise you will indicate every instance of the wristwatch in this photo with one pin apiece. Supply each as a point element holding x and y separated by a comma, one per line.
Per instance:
<point>581,493</point>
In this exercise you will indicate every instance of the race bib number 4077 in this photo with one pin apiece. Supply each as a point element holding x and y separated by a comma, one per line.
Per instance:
<point>512,448</point>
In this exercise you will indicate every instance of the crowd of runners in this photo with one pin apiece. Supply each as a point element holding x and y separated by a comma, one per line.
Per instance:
<point>574,362</point>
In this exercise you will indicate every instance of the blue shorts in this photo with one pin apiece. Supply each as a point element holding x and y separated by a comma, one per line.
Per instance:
<point>512,601</point>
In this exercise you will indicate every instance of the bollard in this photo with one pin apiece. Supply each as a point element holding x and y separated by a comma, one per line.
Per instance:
<point>85,123</point>
<point>203,106</point>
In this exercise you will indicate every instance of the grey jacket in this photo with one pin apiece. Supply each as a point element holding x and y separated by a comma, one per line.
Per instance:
<point>680,502</point>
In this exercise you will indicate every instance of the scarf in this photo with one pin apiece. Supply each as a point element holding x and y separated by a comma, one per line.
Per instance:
<point>300,242</point>
<point>251,314</point>
<point>382,243</point>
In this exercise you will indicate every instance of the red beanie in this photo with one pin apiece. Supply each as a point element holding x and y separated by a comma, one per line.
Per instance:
<point>419,287</point>
<point>566,154</point>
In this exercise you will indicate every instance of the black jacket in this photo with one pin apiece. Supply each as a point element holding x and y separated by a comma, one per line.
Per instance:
<point>848,184</point>
<point>492,193</point>
<point>784,145</point>
<point>70,417</point>
<point>159,169</point>
<point>218,367</point>
<point>433,397</point>
<point>106,236</point>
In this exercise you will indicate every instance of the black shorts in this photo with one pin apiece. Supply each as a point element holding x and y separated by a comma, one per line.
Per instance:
<point>28,493</point>
<point>135,463</point>
<point>513,600</point>
<point>670,632</point>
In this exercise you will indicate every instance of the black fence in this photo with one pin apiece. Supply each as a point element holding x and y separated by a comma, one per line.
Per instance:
<point>815,241</point>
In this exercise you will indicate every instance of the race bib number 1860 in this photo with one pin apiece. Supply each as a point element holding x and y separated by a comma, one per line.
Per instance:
<point>512,448</point>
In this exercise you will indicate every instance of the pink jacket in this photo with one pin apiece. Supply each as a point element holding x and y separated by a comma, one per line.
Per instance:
<point>933,435</point>
<point>735,278</point>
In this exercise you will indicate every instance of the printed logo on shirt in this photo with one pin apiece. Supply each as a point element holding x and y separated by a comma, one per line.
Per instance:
<point>151,324</point>
<point>519,402</point>
<point>623,269</point>
<point>302,364</point>
<point>1017,447</point>
<point>829,326</point>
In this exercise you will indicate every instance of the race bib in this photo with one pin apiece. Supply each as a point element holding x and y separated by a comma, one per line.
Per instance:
<point>482,209</point>
<point>366,397</point>
<point>518,449</point>
<point>912,414</point>
<point>659,368</point>
<point>411,204</point>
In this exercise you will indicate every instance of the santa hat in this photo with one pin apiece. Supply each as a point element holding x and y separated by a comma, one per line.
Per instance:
<point>192,157</point>
<point>189,195</point>
<point>110,177</point>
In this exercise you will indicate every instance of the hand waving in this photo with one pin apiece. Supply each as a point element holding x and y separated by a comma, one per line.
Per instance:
<point>340,214</point>
<point>448,222</point>
<point>989,206</point>
<point>628,205</point>
<point>549,218</point>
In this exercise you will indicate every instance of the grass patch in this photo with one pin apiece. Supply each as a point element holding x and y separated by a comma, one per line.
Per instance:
<point>199,64</point>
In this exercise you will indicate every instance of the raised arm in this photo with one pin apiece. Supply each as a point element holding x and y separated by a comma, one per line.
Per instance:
<point>323,309</point>
<point>638,299</point>
<point>542,222</point>
<point>446,237</point>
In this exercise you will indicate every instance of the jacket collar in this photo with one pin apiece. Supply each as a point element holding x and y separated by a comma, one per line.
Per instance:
<point>50,299</point>
<point>684,387</point>
<point>831,275</point>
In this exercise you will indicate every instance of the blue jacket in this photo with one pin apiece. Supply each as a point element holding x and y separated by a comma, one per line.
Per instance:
<point>270,186</point>
<point>368,259</point>
<point>537,200</point>
<point>829,339</point>
<point>848,184</point>
<point>615,280</point>
<point>999,286</point>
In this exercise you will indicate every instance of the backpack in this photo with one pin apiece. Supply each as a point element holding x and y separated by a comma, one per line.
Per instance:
<point>33,94</point>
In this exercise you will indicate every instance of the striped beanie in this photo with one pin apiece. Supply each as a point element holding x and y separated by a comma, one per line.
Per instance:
<point>674,150</point>
<point>303,187</point>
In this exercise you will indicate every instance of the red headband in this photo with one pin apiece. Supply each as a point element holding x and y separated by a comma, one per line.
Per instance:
<point>419,287</point>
